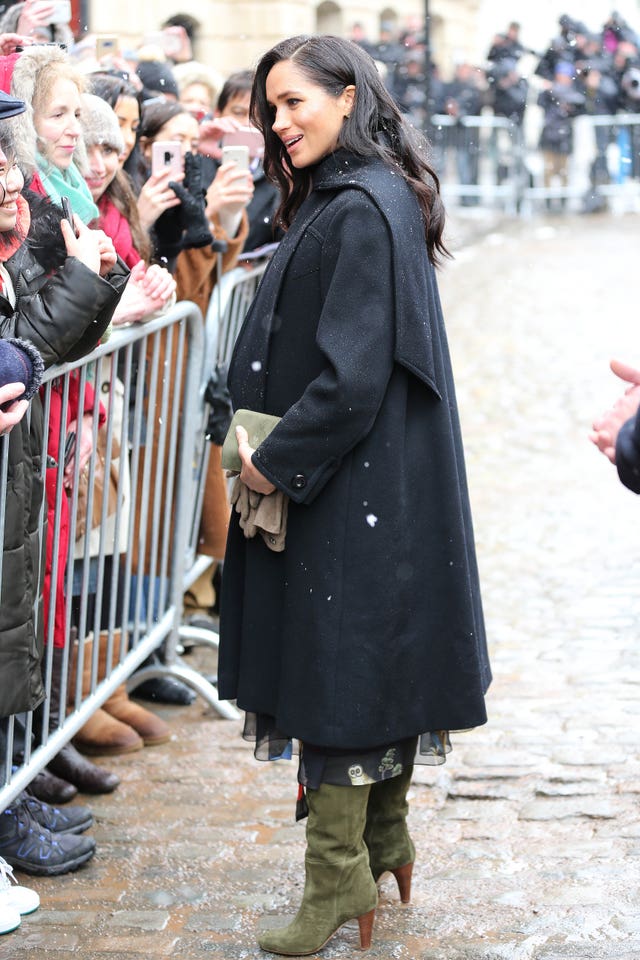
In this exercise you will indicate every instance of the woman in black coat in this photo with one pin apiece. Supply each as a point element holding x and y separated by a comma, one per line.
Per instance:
<point>363,638</point>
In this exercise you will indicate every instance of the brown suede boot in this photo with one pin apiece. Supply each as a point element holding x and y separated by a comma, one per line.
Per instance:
<point>148,725</point>
<point>102,734</point>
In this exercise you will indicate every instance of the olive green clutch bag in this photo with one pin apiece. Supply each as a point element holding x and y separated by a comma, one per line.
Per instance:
<point>257,425</point>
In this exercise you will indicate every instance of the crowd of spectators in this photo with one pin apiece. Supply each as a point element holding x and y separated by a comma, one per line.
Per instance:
<point>98,230</point>
<point>583,71</point>
<point>79,122</point>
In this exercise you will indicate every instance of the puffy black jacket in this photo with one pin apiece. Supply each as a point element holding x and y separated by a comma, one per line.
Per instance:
<point>63,314</point>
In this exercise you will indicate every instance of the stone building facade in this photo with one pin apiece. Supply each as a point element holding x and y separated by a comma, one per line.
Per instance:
<point>234,33</point>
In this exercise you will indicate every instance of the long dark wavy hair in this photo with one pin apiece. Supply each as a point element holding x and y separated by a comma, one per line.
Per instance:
<point>375,127</point>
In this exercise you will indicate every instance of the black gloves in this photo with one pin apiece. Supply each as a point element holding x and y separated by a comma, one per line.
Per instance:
<point>167,234</point>
<point>191,194</point>
<point>184,226</point>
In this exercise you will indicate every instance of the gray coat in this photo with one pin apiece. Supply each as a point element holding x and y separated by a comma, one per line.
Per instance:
<point>368,628</point>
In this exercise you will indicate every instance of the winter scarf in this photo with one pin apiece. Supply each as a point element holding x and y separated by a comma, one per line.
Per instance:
<point>116,226</point>
<point>67,183</point>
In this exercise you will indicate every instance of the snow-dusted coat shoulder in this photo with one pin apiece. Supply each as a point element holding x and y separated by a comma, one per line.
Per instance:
<point>368,628</point>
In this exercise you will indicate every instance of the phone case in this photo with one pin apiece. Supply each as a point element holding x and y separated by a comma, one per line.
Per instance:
<point>166,155</point>
<point>236,154</point>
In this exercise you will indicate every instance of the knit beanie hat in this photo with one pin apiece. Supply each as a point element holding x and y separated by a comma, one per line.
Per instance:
<point>157,78</point>
<point>20,362</point>
<point>99,123</point>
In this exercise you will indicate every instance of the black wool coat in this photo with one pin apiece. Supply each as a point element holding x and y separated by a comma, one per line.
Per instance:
<point>368,628</point>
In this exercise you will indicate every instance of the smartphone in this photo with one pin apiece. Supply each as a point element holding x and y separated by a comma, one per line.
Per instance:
<point>247,137</point>
<point>106,46</point>
<point>69,448</point>
<point>61,12</point>
<point>166,155</point>
<point>67,213</point>
<point>236,154</point>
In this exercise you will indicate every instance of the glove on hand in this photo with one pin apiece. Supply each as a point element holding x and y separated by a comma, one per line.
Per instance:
<point>191,194</point>
<point>168,230</point>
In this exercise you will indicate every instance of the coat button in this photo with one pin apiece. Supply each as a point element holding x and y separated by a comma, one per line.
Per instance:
<point>299,481</point>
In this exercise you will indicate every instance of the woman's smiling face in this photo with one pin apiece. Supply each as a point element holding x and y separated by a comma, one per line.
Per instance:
<point>103,161</point>
<point>306,117</point>
<point>57,123</point>
<point>11,183</point>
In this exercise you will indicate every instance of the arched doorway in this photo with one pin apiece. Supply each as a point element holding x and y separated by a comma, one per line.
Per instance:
<point>329,18</point>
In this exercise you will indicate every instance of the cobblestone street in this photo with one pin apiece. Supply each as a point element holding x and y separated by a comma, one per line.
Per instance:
<point>528,837</point>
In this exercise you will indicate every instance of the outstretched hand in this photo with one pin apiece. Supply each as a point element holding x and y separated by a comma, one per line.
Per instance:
<point>606,428</point>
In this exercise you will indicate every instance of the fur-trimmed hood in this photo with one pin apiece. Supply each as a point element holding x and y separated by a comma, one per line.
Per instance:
<point>21,74</point>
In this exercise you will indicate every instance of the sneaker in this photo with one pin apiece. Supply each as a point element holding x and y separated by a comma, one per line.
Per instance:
<point>23,899</point>
<point>9,918</point>
<point>26,845</point>
<point>73,819</point>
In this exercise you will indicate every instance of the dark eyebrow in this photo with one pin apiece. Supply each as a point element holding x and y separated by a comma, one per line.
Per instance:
<point>287,93</point>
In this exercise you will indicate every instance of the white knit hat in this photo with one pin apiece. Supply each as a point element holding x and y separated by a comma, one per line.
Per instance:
<point>99,123</point>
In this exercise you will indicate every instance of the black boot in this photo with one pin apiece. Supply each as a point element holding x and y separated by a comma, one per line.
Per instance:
<point>163,689</point>
<point>50,789</point>
<point>69,764</point>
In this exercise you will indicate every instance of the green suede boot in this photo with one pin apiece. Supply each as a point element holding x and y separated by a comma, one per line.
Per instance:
<point>338,882</point>
<point>386,835</point>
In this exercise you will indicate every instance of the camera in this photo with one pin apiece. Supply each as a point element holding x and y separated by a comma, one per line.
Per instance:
<point>630,83</point>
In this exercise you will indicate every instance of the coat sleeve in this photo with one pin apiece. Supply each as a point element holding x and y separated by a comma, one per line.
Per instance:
<point>628,454</point>
<point>66,316</point>
<point>356,338</point>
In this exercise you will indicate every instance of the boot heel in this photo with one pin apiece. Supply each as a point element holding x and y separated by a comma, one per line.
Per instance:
<point>403,879</point>
<point>365,923</point>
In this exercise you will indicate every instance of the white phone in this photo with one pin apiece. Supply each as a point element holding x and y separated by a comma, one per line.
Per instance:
<point>61,12</point>
<point>238,154</point>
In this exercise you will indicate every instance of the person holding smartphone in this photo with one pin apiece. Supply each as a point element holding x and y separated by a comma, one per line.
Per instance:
<point>171,123</point>
<point>231,126</point>
<point>50,132</point>
<point>42,21</point>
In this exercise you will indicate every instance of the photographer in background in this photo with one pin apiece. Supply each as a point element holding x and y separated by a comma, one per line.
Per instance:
<point>565,48</point>
<point>507,46</point>
<point>599,89</point>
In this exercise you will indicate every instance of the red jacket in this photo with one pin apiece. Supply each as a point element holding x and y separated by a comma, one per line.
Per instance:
<point>116,226</point>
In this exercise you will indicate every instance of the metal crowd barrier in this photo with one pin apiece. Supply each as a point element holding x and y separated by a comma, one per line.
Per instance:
<point>492,161</point>
<point>128,516</point>
<point>603,168</point>
<point>479,160</point>
<point>227,309</point>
